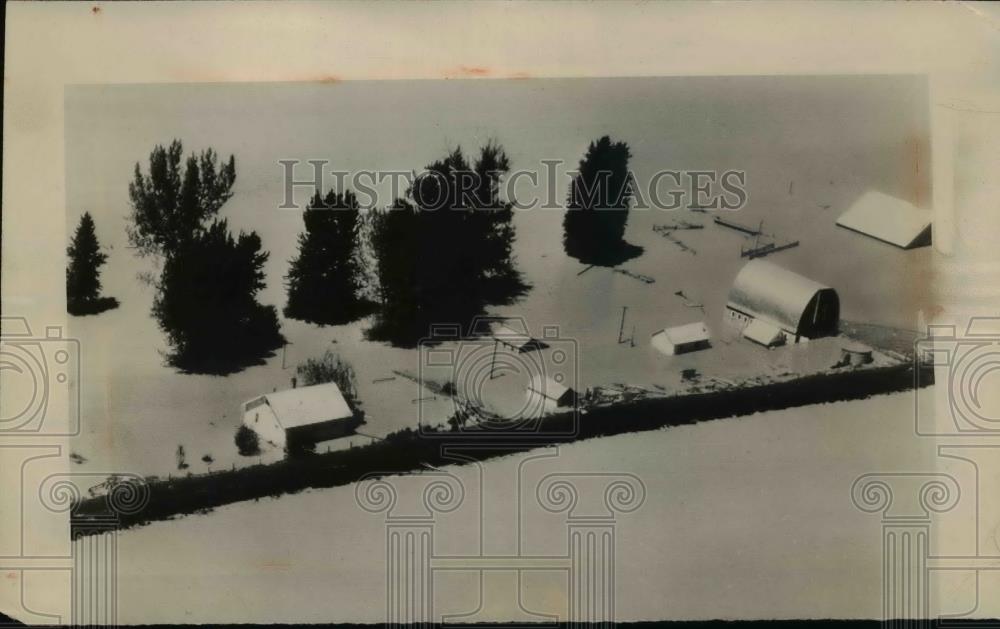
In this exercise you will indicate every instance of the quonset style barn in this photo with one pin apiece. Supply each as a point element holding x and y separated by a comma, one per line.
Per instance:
<point>770,303</point>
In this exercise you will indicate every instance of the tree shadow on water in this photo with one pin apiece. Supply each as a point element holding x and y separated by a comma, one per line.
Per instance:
<point>608,256</point>
<point>92,306</point>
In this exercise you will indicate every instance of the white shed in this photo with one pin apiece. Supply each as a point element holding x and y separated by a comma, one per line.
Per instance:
<point>304,415</point>
<point>681,339</point>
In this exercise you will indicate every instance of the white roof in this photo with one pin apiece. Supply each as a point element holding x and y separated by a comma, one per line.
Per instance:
<point>308,405</point>
<point>688,333</point>
<point>762,332</point>
<point>887,218</point>
<point>547,386</point>
<point>767,291</point>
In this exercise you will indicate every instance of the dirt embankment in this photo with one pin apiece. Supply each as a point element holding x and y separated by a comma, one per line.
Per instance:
<point>409,450</point>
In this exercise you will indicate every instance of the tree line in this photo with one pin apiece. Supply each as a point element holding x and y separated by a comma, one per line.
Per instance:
<point>440,254</point>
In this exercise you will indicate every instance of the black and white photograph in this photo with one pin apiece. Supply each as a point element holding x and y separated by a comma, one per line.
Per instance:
<point>492,346</point>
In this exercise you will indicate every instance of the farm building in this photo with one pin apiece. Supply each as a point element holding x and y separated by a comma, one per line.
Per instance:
<point>769,302</point>
<point>764,333</point>
<point>682,339</point>
<point>888,219</point>
<point>306,415</point>
<point>550,393</point>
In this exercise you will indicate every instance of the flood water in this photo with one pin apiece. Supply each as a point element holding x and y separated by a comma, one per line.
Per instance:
<point>809,147</point>
<point>747,517</point>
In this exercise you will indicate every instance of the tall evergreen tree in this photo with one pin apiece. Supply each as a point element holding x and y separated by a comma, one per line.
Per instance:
<point>325,280</point>
<point>83,275</point>
<point>445,251</point>
<point>206,302</point>
<point>598,204</point>
<point>206,293</point>
<point>394,236</point>
<point>171,203</point>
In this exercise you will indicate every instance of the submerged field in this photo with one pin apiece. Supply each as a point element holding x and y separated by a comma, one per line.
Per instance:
<point>809,148</point>
<point>744,518</point>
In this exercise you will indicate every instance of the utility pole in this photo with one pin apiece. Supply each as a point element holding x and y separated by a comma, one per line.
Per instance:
<point>621,327</point>
<point>493,360</point>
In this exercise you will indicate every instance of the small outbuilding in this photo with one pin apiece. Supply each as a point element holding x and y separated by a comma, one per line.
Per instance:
<point>306,415</point>
<point>767,301</point>
<point>888,219</point>
<point>763,333</point>
<point>853,354</point>
<point>682,339</point>
<point>551,392</point>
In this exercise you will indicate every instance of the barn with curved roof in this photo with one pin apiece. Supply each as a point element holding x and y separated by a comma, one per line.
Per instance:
<point>784,300</point>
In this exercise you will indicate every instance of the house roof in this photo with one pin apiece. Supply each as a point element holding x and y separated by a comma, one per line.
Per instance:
<point>687,333</point>
<point>889,219</point>
<point>765,290</point>
<point>548,387</point>
<point>309,405</point>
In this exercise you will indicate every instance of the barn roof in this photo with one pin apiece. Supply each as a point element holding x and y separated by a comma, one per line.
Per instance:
<point>765,290</point>
<point>309,405</point>
<point>888,219</point>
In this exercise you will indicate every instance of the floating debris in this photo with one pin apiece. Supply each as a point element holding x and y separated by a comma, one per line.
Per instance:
<point>739,226</point>
<point>586,269</point>
<point>636,276</point>
<point>688,302</point>
<point>764,250</point>
<point>660,228</point>
<point>668,234</point>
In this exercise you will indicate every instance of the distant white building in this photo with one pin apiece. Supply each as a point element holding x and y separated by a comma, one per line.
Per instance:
<point>305,415</point>
<point>770,304</point>
<point>682,339</point>
<point>888,219</point>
